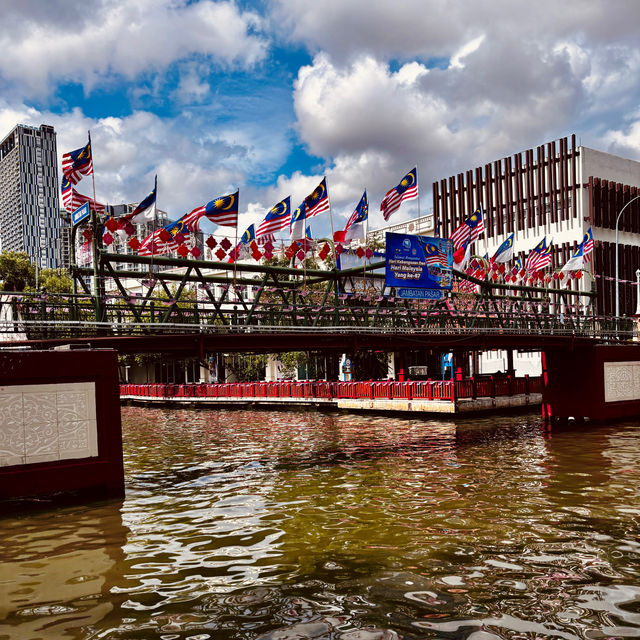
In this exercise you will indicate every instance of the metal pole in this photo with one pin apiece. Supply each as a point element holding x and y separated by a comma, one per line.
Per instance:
<point>638,292</point>
<point>617,277</point>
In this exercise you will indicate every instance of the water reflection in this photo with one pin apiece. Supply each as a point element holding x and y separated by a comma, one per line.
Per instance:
<point>57,571</point>
<point>281,525</point>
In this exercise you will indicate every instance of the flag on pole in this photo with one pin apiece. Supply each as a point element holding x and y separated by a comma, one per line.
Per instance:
<point>77,163</point>
<point>505,251</point>
<point>540,256</point>
<point>469,230</point>
<point>72,199</point>
<point>144,212</point>
<point>354,229</point>
<point>580,254</point>
<point>318,201</point>
<point>587,241</point>
<point>298,222</point>
<point>278,218</point>
<point>170,237</point>
<point>406,190</point>
<point>223,211</point>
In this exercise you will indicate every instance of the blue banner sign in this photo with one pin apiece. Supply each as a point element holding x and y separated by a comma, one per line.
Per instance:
<point>418,262</point>
<point>420,294</point>
<point>80,214</point>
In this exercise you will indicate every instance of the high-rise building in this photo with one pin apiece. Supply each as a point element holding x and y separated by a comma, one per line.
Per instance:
<point>29,202</point>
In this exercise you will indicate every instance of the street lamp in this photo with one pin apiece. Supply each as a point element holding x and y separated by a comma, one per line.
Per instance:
<point>617,279</point>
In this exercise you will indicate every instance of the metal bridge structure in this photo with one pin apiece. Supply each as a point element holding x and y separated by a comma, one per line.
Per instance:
<point>191,307</point>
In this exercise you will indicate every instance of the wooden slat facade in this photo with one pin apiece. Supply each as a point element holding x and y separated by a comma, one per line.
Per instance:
<point>516,192</point>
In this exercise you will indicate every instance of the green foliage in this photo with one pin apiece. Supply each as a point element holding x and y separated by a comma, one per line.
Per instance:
<point>16,271</point>
<point>247,368</point>
<point>55,281</point>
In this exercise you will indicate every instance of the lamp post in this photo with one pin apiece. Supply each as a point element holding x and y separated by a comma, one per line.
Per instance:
<point>617,278</point>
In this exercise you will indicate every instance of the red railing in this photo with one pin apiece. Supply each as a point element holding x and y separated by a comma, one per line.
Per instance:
<point>448,390</point>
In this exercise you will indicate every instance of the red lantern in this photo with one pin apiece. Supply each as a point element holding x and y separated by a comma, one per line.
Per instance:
<point>134,243</point>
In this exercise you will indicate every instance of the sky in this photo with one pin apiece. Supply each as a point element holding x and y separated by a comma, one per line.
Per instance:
<point>270,96</point>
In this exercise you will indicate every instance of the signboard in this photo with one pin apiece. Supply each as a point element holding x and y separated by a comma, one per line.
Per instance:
<point>420,294</point>
<point>417,264</point>
<point>80,214</point>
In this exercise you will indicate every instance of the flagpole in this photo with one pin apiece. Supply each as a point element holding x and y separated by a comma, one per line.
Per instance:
<point>418,189</point>
<point>155,225</point>
<point>235,261</point>
<point>94,229</point>
<point>335,255</point>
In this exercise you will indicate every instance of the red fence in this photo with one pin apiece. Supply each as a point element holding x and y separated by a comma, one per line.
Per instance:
<point>415,390</point>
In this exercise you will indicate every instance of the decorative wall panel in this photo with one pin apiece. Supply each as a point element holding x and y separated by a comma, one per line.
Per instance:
<point>621,381</point>
<point>45,422</point>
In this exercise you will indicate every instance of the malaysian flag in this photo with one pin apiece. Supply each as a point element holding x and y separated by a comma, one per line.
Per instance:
<point>72,199</point>
<point>169,237</point>
<point>469,231</point>
<point>78,163</point>
<point>540,256</point>
<point>435,256</point>
<point>276,219</point>
<point>581,253</point>
<point>223,210</point>
<point>406,190</point>
<point>587,241</point>
<point>354,229</point>
<point>318,201</point>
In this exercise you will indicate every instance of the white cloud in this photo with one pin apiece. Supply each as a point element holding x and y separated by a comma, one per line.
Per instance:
<point>122,38</point>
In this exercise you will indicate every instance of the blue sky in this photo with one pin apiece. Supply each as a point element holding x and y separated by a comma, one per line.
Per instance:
<point>269,97</point>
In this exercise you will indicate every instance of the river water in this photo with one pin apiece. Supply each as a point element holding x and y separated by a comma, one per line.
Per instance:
<point>294,525</point>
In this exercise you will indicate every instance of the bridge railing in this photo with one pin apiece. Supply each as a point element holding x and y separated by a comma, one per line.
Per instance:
<point>444,390</point>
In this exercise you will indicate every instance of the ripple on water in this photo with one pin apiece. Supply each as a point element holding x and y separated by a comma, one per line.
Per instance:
<point>282,525</point>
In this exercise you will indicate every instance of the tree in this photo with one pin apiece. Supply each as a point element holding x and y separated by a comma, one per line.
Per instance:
<point>16,271</point>
<point>55,281</point>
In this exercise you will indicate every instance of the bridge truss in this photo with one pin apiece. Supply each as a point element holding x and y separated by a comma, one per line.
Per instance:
<point>195,296</point>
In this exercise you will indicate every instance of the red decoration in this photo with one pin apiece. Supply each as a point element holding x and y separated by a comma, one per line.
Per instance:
<point>369,253</point>
<point>211,242</point>
<point>183,251</point>
<point>325,251</point>
<point>225,244</point>
<point>300,255</point>
<point>501,267</point>
<point>561,276</point>
<point>179,238</point>
<point>134,243</point>
<point>256,255</point>
<point>220,254</point>
<point>578,275</point>
<point>86,234</point>
<point>360,252</point>
<point>164,235</point>
<point>268,246</point>
<point>107,238</point>
<point>339,249</point>
<point>268,254</point>
<point>195,252</point>
<point>128,228</point>
<point>112,224</point>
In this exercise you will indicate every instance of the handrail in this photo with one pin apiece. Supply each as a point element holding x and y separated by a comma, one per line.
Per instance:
<point>440,390</point>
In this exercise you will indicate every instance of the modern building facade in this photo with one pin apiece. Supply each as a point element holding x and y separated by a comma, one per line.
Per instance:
<point>29,195</point>
<point>558,190</point>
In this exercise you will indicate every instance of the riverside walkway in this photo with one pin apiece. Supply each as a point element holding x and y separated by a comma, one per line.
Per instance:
<point>426,396</point>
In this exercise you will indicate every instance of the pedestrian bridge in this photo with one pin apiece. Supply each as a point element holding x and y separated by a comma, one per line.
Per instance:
<point>200,306</point>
